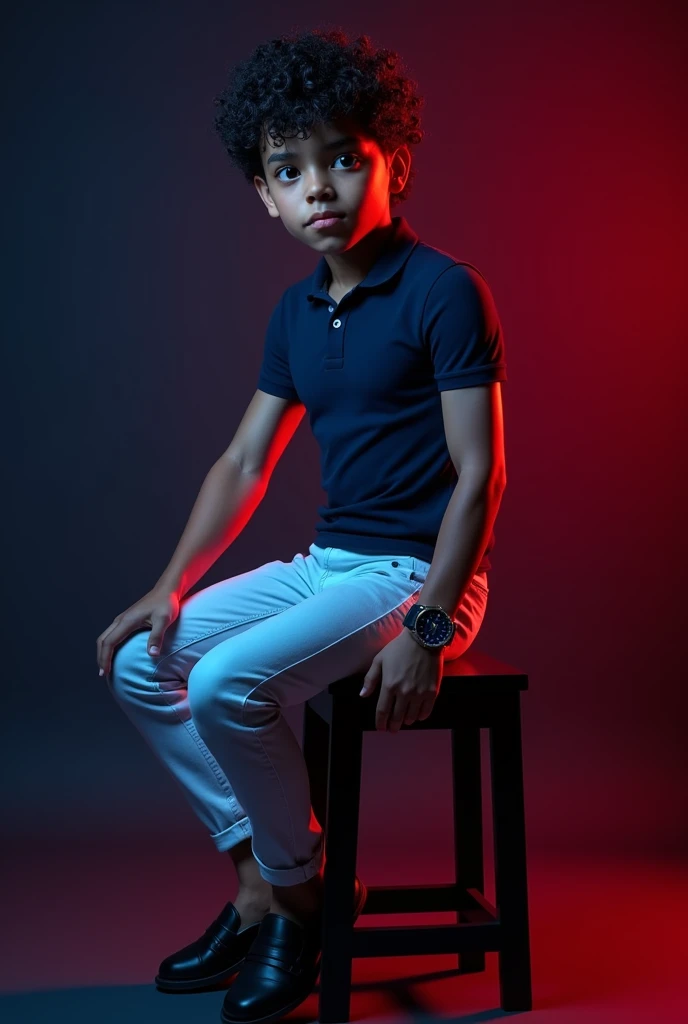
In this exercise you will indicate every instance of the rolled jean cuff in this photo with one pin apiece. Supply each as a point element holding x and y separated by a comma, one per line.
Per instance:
<point>232,836</point>
<point>292,876</point>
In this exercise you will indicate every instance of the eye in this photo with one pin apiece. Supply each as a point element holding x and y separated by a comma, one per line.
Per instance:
<point>287,168</point>
<point>341,156</point>
<point>346,156</point>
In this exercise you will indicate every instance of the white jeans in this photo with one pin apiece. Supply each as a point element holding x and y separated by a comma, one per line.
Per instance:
<point>210,704</point>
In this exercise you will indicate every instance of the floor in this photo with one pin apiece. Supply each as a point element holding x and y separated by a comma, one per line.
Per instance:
<point>85,928</point>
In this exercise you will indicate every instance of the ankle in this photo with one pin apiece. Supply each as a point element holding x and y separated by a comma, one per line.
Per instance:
<point>250,913</point>
<point>301,902</point>
<point>253,899</point>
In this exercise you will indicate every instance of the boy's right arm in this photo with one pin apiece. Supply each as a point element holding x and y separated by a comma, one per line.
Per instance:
<point>233,488</point>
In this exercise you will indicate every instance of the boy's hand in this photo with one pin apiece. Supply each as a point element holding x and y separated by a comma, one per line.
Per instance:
<point>410,677</point>
<point>157,610</point>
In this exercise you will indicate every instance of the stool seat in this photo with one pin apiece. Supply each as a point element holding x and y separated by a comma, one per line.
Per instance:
<point>476,691</point>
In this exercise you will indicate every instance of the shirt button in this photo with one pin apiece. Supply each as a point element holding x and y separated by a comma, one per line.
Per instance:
<point>331,309</point>
<point>395,564</point>
<point>337,323</point>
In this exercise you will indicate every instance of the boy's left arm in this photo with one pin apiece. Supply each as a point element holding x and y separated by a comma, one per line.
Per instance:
<point>473,426</point>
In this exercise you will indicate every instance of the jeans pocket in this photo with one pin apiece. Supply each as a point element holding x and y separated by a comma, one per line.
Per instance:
<point>406,565</point>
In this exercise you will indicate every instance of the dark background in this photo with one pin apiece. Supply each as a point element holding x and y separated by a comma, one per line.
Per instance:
<point>140,272</point>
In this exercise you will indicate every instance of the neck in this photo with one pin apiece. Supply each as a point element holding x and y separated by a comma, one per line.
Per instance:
<point>348,268</point>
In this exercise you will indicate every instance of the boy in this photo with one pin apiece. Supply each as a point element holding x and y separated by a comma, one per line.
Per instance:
<point>395,350</point>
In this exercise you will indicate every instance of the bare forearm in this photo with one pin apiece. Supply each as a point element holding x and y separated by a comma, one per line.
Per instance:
<point>464,532</point>
<point>226,501</point>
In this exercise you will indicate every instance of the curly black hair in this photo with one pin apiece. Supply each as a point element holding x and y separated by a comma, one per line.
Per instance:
<point>291,82</point>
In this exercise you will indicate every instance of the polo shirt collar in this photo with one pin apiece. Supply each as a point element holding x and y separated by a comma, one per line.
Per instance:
<point>390,259</point>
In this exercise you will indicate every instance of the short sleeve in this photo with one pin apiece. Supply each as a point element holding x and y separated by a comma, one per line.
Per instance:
<point>275,376</point>
<point>462,330</point>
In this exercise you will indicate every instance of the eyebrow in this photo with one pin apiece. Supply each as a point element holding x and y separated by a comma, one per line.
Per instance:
<point>328,145</point>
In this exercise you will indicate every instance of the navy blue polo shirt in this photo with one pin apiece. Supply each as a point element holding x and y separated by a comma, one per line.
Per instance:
<point>369,371</point>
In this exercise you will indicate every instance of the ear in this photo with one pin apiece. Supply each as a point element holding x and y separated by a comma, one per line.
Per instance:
<point>399,167</point>
<point>264,193</point>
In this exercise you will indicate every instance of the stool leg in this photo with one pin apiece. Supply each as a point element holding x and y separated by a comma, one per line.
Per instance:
<point>341,840</point>
<point>468,826</point>
<point>511,883</point>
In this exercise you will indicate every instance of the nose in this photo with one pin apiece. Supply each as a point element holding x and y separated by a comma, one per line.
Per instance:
<point>319,188</point>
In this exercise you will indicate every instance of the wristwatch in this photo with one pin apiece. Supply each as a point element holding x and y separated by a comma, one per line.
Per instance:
<point>431,626</point>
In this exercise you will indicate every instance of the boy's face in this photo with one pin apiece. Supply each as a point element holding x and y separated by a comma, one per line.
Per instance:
<point>336,168</point>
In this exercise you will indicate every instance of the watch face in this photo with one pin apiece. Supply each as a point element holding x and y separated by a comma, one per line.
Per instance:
<point>434,626</point>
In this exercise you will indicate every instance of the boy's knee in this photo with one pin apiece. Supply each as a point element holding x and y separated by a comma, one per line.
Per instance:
<point>215,691</point>
<point>130,664</point>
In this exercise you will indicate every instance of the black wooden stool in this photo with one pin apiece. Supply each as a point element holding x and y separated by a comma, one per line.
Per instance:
<point>476,692</point>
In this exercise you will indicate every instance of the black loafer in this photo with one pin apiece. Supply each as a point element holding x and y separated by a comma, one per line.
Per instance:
<point>280,969</point>
<point>210,960</point>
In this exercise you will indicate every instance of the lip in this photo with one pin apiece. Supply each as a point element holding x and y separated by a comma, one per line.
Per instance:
<point>324,219</point>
